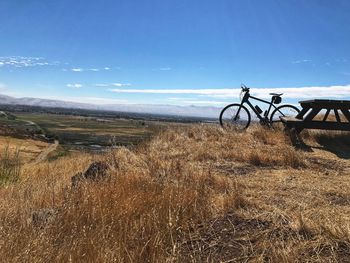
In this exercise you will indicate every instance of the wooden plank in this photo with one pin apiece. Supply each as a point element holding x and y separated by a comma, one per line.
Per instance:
<point>319,125</point>
<point>301,121</point>
<point>346,114</point>
<point>286,119</point>
<point>337,104</point>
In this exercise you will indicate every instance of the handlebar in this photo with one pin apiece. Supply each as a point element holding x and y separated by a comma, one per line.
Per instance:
<point>244,88</point>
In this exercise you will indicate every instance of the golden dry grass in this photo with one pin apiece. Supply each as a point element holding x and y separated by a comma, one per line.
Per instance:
<point>191,194</point>
<point>28,149</point>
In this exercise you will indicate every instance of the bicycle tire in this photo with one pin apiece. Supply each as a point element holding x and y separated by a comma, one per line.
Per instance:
<point>234,123</point>
<point>279,109</point>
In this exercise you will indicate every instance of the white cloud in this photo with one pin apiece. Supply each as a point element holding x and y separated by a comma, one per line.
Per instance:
<point>121,84</point>
<point>20,61</point>
<point>165,69</point>
<point>173,91</point>
<point>89,100</point>
<point>344,60</point>
<point>76,86</point>
<point>301,61</point>
<point>102,85</point>
<point>196,102</point>
<point>89,69</point>
<point>292,93</point>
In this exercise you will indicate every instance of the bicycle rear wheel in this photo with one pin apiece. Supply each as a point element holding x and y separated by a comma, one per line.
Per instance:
<point>285,111</point>
<point>235,116</point>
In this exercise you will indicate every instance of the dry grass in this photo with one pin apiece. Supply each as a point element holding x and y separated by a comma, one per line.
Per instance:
<point>10,166</point>
<point>191,194</point>
<point>28,149</point>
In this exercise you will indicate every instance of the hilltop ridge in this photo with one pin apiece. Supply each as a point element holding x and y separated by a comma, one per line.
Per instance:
<point>190,194</point>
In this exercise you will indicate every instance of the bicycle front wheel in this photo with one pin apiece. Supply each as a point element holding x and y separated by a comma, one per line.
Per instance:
<point>235,116</point>
<point>285,111</point>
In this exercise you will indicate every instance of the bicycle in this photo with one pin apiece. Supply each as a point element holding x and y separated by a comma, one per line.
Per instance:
<point>237,115</point>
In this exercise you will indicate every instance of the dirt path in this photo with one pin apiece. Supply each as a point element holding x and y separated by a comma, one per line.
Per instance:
<point>42,156</point>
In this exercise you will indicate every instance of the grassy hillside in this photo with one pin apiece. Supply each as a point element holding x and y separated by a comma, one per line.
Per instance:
<point>192,194</point>
<point>27,149</point>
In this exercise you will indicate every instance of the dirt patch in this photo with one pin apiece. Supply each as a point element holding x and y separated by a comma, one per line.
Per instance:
<point>234,239</point>
<point>335,252</point>
<point>327,165</point>
<point>337,199</point>
<point>226,238</point>
<point>235,170</point>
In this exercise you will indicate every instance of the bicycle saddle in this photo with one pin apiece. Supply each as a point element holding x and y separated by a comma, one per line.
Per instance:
<point>276,94</point>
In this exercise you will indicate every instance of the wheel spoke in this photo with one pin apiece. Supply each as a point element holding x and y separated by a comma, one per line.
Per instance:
<point>283,111</point>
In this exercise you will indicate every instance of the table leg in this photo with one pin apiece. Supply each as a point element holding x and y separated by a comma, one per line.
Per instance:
<point>312,114</point>
<point>337,115</point>
<point>302,113</point>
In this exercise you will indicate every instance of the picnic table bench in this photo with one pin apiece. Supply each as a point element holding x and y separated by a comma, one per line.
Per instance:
<point>306,119</point>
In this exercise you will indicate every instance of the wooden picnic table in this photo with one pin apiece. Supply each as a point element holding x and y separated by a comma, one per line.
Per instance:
<point>306,119</point>
<point>311,108</point>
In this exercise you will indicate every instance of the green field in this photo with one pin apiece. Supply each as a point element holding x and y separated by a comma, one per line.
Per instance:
<point>80,132</point>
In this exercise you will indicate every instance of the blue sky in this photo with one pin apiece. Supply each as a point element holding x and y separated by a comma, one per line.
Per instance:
<point>173,52</point>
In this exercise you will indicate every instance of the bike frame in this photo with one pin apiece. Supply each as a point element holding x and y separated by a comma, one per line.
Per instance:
<point>246,98</point>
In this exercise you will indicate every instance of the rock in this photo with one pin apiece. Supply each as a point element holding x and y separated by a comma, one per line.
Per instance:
<point>96,172</point>
<point>42,217</point>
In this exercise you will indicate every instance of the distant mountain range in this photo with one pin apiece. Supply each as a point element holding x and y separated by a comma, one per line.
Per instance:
<point>174,110</point>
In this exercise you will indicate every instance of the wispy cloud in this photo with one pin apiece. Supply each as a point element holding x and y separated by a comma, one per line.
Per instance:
<point>165,69</point>
<point>20,62</point>
<point>292,93</point>
<point>105,85</point>
<point>75,86</point>
<point>89,69</point>
<point>89,100</point>
<point>121,84</point>
<point>301,61</point>
<point>195,102</point>
<point>344,60</point>
<point>77,70</point>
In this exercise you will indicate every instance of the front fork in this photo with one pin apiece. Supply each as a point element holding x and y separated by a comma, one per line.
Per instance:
<point>244,99</point>
<point>236,117</point>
